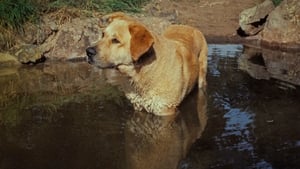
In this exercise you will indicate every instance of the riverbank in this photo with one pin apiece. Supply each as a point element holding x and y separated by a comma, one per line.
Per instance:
<point>219,21</point>
<point>64,34</point>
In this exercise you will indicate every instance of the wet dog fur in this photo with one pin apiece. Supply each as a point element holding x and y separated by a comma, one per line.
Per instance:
<point>163,69</point>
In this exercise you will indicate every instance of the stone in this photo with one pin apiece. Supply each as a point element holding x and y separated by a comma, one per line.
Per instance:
<point>282,28</point>
<point>71,40</point>
<point>7,60</point>
<point>252,20</point>
<point>29,54</point>
<point>37,33</point>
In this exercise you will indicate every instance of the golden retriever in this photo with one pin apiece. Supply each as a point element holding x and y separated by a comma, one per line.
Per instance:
<point>163,68</point>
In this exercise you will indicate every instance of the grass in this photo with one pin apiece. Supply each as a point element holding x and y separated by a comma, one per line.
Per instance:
<point>276,2</point>
<point>101,5</point>
<point>123,5</point>
<point>13,14</point>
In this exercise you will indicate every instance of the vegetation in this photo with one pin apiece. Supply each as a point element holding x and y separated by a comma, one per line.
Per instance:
<point>276,2</point>
<point>101,5</point>
<point>123,5</point>
<point>14,13</point>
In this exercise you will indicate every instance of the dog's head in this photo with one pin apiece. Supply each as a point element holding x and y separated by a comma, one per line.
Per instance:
<point>123,42</point>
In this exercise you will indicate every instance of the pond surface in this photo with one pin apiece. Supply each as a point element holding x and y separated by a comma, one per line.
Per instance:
<point>73,116</point>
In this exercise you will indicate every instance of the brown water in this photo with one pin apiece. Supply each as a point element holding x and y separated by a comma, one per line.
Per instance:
<point>71,115</point>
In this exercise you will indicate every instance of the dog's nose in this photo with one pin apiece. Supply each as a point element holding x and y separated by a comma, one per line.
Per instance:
<point>91,52</point>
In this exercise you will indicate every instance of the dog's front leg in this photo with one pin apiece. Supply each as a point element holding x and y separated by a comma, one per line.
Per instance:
<point>135,100</point>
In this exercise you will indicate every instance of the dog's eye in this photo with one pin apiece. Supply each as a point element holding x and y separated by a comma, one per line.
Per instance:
<point>115,40</point>
<point>102,35</point>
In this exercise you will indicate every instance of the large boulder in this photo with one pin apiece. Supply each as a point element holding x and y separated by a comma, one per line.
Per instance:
<point>71,40</point>
<point>252,20</point>
<point>282,28</point>
<point>37,33</point>
<point>54,40</point>
<point>29,53</point>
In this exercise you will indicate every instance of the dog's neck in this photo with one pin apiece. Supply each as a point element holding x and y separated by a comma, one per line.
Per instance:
<point>145,59</point>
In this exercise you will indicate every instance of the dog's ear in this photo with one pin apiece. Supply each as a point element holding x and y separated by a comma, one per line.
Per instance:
<point>107,19</point>
<point>141,40</point>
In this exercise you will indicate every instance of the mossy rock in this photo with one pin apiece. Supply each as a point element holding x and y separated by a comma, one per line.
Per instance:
<point>29,54</point>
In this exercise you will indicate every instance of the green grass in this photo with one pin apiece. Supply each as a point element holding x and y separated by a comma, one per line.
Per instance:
<point>13,14</point>
<point>101,5</point>
<point>123,5</point>
<point>276,2</point>
<point>97,5</point>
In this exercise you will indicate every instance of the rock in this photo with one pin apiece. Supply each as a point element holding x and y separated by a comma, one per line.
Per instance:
<point>7,60</point>
<point>72,39</point>
<point>252,20</point>
<point>36,33</point>
<point>29,54</point>
<point>282,28</point>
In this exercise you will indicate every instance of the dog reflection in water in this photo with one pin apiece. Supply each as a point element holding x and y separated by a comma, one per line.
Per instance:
<point>154,142</point>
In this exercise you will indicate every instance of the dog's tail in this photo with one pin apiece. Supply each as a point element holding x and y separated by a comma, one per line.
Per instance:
<point>202,62</point>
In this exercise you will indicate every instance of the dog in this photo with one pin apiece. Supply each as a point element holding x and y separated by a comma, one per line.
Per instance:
<point>162,69</point>
<point>152,143</point>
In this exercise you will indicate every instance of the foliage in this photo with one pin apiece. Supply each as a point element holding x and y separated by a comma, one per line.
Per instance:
<point>123,5</point>
<point>13,14</point>
<point>277,2</point>
<point>98,5</point>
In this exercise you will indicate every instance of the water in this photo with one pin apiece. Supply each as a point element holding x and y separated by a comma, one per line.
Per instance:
<point>251,123</point>
<point>71,115</point>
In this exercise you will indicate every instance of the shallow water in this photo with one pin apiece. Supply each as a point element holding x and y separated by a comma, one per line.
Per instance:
<point>71,115</point>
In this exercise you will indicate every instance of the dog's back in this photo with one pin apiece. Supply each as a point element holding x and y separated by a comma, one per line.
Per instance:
<point>187,35</point>
<point>193,40</point>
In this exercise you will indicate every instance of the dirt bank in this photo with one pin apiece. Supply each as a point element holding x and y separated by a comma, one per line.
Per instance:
<point>217,19</point>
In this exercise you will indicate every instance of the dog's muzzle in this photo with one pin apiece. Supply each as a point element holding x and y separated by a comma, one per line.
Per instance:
<point>91,53</point>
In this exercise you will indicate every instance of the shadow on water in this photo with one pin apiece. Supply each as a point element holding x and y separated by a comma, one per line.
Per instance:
<point>71,115</point>
<point>66,115</point>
